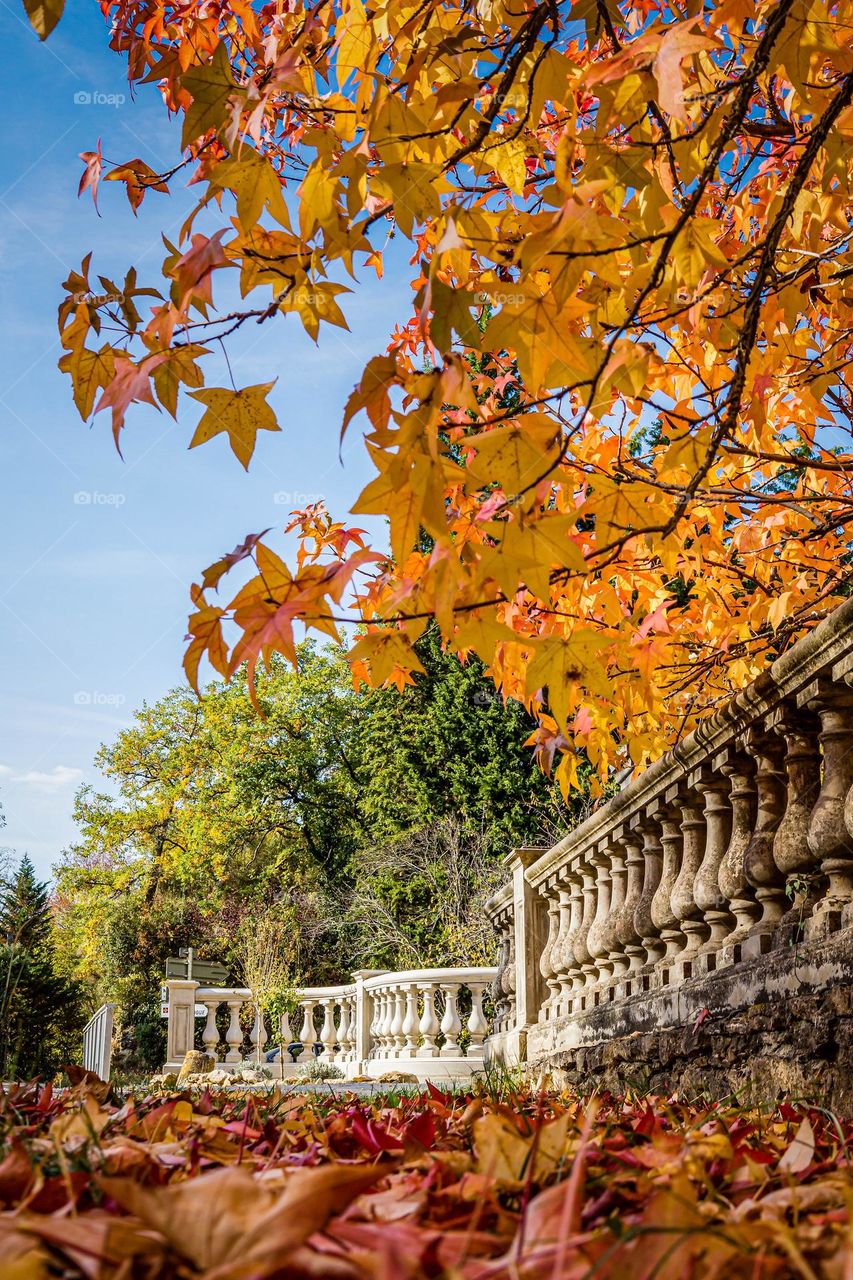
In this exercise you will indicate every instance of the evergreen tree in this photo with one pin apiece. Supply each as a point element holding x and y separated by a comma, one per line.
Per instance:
<point>39,1008</point>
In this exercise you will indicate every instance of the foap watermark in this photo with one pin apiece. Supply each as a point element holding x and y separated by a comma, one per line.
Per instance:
<point>93,299</point>
<point>295,498</point>
<point>96,98</point>
<point>94,498</point>
<point>502,299</point>
<point>98,698</point>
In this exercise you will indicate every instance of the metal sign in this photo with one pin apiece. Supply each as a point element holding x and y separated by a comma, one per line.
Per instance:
<point>185,965</point>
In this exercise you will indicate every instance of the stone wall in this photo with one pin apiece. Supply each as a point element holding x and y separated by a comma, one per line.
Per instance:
<point>782,1024</point>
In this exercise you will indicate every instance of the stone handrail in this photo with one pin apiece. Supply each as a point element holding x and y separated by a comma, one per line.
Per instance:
<point>379,1023</point>
<point>736,843</point>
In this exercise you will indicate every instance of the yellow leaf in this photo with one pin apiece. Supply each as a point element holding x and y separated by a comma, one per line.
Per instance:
<point>240,414</point>
<point>44,15</point>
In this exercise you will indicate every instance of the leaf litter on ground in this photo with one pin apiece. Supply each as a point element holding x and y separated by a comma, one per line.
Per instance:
<point>516,1185</point>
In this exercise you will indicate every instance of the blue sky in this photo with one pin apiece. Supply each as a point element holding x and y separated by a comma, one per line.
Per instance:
<point>98,551</point>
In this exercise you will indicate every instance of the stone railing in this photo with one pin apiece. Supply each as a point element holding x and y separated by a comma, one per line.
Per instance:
<point>731,855</point>
<point>381,1022</point>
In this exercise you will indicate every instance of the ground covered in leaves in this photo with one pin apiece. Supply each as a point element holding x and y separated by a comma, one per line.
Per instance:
<point>487,1186</point>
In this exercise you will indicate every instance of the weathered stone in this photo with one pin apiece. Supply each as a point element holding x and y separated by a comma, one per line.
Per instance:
<point>196,1064</point>
<point>779,1024</point>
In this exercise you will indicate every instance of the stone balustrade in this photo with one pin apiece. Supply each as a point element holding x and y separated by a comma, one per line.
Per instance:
<point>424,1022</point>
<point>732,854</point>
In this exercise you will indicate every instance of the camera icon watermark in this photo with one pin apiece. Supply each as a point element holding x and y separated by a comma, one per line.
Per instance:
<point>97,698</point>
<point>94,498</point>
<point>95,98</point>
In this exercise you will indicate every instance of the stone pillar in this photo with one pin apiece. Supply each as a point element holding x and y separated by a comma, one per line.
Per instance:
<point>629,935</point>
<point>665,921</point>
<point>582,955</point>
<point>644,925</point>
<point>831,824</point>
<point>735,888</point>
<point>180,1027</point>
<point>706,889</point>
<point>791,852</point>
<point>597,941</point>
<point>528,919</point>
<point>547,967</point>
<point>618,890</point>
<point>683,901</point>
<point>759,864</point>
<point>570,976</point>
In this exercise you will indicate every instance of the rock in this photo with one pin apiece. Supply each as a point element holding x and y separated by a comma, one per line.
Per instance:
<point>196,1064</point>
<point>164,1080</point>
<point>397,1077</point>
<point>251,1075</point>
<point>219,1076</point>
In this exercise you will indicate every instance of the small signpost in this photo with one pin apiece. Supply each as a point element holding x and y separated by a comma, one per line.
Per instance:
<point>184,965</point>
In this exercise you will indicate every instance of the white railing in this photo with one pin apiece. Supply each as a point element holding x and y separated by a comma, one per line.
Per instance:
<point>98,1042</point>
<point>424,1022</point>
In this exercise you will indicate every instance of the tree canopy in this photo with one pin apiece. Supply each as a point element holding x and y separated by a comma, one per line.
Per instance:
<point>367,825</point>
<point>611,435</point>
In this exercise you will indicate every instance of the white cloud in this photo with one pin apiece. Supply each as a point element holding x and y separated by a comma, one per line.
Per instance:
<point>61,775</point>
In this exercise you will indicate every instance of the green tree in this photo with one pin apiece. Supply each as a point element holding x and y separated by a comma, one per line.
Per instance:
<point>40,1009</point>
<point>370,823</point>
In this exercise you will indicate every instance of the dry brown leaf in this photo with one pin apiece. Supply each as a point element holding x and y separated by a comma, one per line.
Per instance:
<point>225,1219</point>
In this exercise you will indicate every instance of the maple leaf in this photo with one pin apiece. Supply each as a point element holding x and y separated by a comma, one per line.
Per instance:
<point>240,414</point>
<point>130,384</point>
<point>210,87</point>
<point>44,15</point>
<point>194,269</point>
<point>138,177</point>
<point>92,173</point>
<point>90,371</point>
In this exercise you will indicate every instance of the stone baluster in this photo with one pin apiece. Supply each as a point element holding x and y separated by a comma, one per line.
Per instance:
<point>499,998</point>
<point>734,886</point>
<point>710,899</point>
<point>759,865</point>
<point>630,937</point>
<point>429,1026</point>
<point>652,944</point>
<point>307,1034</point>
<point>258,1035</point>
<point>210,1035</point>
<point>791,852</point>
<point>596,942</point>
<point>831,826</point>
<point>387,1017</point>
<point>618,888</point>
<point>410,1022</point>
<point>328,1035</point>
<point>582,956</point>
<point>570,977</point>
<point>690,917</point>
<point>478,1027</point>
<point>397,1034</point>
<point>285,1034</point>
<point>451,1023</point>
<point>665,921</point>
<point>546,965</point>
<point>234,1033</point>
<point>376,1024</point>
<point>508,979</point>
<point>344,1042</point>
